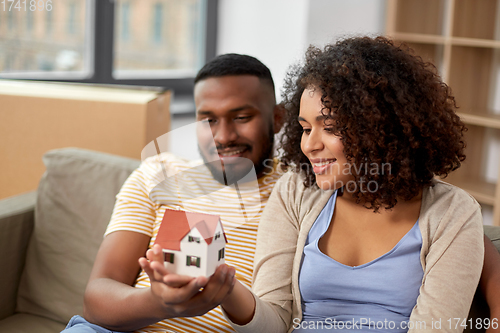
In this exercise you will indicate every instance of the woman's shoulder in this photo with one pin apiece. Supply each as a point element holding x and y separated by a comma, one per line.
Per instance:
<point>445,203</point>
<point>443,193</point>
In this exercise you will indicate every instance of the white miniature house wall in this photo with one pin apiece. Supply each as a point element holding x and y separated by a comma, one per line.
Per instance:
<point>193,243</point>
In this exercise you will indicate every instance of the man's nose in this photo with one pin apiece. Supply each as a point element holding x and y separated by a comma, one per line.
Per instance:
<point>225,133</point>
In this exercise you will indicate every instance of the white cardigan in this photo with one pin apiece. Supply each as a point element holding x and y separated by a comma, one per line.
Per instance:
<point>451,256</point>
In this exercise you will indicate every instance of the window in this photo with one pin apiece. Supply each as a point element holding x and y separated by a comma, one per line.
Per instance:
<point>125,22</point>
<point>44,40</point>
<point>71,18</point>
<point>10,20</point>
<point>168,257</point>
<point>29,21</point>
<point>110,42</point>
<point>221,254</point>
<point>193,239</point>
<point>217,236</point>
<point>193,261</point>
<point>157,23</point>
<point>168,39</point>
<point>49,22</point>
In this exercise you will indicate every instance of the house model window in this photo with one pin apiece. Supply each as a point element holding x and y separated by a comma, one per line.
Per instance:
<point>198,237</point>
<point>194,239</point>
<point>193,261</point>
<point>168,257</point>
<point>221,254</point>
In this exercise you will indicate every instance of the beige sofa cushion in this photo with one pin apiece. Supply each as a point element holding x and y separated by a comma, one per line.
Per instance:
<point>75,200</point>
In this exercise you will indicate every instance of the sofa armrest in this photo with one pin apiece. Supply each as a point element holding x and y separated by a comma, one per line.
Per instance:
<point>493,233</point>
<point>479,308</point>
<point>16,226</point>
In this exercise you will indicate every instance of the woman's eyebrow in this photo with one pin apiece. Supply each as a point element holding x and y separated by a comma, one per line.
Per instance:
<point>318,118</point>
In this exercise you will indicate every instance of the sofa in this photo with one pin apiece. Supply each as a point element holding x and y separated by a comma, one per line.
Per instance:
<point>49,239</point>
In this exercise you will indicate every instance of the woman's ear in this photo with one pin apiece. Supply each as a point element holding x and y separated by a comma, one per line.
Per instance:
<point>279,117</point>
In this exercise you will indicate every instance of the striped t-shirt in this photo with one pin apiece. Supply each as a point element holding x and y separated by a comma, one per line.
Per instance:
<point>169,182</point>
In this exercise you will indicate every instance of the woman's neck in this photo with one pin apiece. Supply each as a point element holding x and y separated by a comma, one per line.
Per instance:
<point>347,204</point>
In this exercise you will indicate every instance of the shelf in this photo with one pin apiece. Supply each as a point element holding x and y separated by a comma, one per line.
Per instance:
<point>419,38</point>
<point>470,75</point>
<point>473,42</point>
<point>419,16</point>
<point>441,40</point>
<point>482,191</point>
<point>462,38</point>
<point>475,19</point>
<point>480,118</point>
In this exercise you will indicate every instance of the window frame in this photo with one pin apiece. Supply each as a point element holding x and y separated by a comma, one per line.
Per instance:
<point>192,239</point>
<point>103,28</point>
<point>168,257</point>
<point>221,253</point>
<point>193,261</point>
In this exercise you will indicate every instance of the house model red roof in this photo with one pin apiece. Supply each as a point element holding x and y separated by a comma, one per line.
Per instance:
<point>176,224</point>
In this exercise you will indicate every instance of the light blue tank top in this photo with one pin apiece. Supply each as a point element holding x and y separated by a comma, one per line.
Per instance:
<point>378,295</point>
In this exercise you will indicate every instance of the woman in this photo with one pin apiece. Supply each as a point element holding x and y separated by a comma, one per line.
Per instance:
<point>360,235</point>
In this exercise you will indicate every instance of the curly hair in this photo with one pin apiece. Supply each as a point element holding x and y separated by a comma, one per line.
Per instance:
<point>388,106</point>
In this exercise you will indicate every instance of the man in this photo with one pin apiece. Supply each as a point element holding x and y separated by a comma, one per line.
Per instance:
<point>238,117</point>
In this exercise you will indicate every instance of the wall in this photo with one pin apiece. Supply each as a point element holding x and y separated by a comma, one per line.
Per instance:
<point>274,31</point>
<point>329,20</point>
<point>278,32</point>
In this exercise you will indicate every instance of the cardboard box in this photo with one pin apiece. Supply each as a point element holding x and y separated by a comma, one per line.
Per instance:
<point>37,116</point>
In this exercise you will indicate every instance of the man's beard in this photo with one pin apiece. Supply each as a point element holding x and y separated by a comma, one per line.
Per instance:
<point>229,174</point>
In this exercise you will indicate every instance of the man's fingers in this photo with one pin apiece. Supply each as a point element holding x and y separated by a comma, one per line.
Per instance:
<point>184,292</point>
<point>187,291</point>
<point>145,265</point>
<point>159,268</point>
<point>155,254</point>
<point>177,281</point>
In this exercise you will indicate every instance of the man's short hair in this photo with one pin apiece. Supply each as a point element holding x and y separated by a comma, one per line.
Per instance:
<point>235,64</point>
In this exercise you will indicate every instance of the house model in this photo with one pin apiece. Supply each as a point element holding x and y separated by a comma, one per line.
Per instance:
<point>193,243</point>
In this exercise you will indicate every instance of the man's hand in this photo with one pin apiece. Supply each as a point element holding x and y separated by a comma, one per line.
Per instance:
<point>184,296</point>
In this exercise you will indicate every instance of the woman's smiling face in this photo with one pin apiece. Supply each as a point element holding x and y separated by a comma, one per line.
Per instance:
<point>320,144</point>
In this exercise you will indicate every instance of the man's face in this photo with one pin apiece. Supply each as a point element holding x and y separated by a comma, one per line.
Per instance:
<point>238,113</point>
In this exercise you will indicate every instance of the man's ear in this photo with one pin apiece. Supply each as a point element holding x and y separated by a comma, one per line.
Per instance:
<point>279,117</point>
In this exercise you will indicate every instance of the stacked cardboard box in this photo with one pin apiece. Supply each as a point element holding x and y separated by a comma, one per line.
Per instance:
<point>36,117</point>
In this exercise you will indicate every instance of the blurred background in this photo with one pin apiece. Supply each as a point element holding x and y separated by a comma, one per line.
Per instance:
<point>165,42</point>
